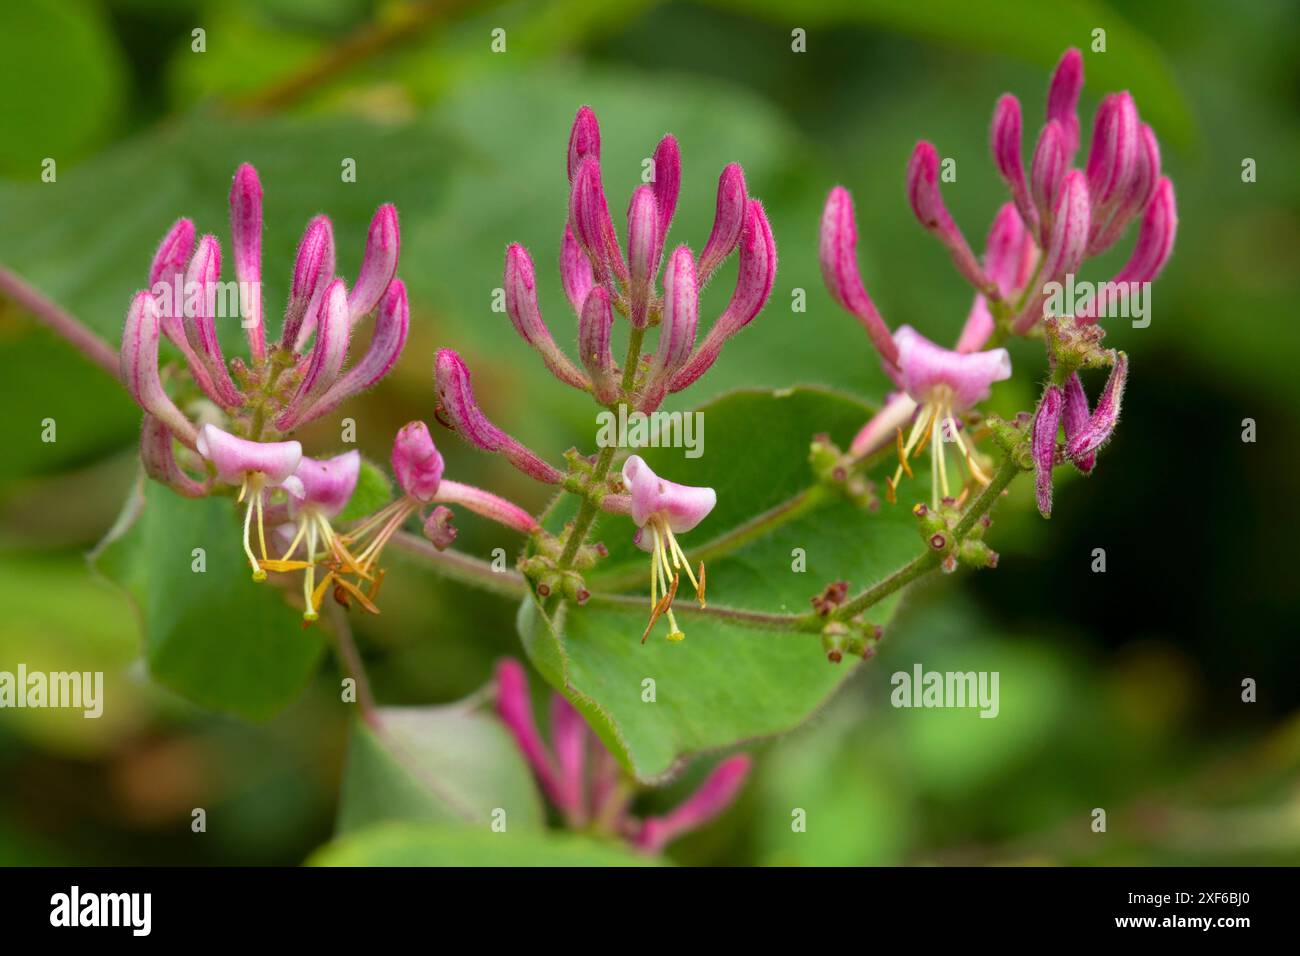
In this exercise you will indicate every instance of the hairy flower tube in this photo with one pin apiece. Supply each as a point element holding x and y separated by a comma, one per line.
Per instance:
<point>582,780</point>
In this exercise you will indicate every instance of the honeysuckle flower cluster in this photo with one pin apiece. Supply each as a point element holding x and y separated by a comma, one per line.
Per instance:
<point>246,408</point>
<point>583,781</point>
<point>603,278</point>
<point>1057,218</point>
<point>280,386</point>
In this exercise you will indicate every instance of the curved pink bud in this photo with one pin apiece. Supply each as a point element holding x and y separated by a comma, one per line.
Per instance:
<point>159,459</point>
<point>681,313</point>
<point>1063,98</point>
<point>681,506</point>
<point>643,250</point>
<point>327,356</point>
<point>173,254</point>
<point>198,319</point>
<point>456,398</point>
<point>728,219</point>
<point>592,226</point>
<point>417,463</point>
<point>575,271</point>
<point>138,362</point>
<point>1101,423</point>
<point>927,203</point>
<point>709,801</point>
<point>313,271</point>
<point>1155,241</point>
<point>391,327</point>
<point>1047,174</point>
<point>325,485</point>
<point>838,251</point>
<point>1005,140</point>
<point>1113,154</point>
<point>1069,239</point>
<point>754,278</point>
<point>1074,417</point>
<point>667,185</point>
<point>584,139</point>
<point>526,316</point>
<point>594,347</point>
<point>246,244</point>
<point>1141,187</point>
<point>236,458</point>
<point>924,368</point>
<point>1043,446</point>
<point>379,265</point>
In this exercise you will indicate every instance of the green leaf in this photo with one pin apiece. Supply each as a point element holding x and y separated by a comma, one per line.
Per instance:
<point>727,682</point>
<point>214,637</point>
<point>450,765</point>
<point>372,492</point>
<point>65,77</point>
<point>407,845</point>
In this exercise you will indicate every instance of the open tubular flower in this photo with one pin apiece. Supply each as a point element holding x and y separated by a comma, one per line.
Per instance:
<point>936,386</point>
<point>602,277</point>
<point>583,781</point>
<point>324,488</point>
<point>257,467</point>
<point>662,510</point>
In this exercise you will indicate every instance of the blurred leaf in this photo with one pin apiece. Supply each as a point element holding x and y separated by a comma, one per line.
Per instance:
<point>1019,28</point>
<point>439,765</point>
<point>215,637</point>
<point>725,683</point>
<point>406,845</point>
<point>62,85</point>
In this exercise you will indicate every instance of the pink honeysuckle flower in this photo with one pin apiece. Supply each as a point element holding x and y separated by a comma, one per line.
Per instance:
<point>936,385</point>
<point>159,460</point>
<point>583,781</point>
<point>944,384</point>
<point>324,488</point>
<point>662,510</point>
<point>603,278</point>
<point>256,467</point>
<point>186,282</point>
<point>1085,432</point>
<point>1120,183</point>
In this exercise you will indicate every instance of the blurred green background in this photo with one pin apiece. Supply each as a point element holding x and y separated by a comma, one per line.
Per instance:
<point>1119,690</point>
